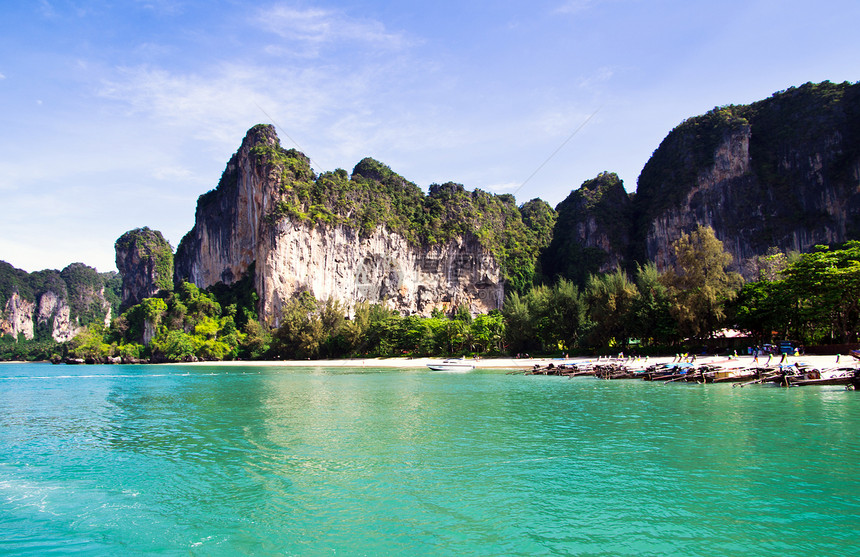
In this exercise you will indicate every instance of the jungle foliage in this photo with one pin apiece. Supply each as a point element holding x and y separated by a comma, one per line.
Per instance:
<point>182,325</point>
<point>88,293</point>
<point>813,298</point>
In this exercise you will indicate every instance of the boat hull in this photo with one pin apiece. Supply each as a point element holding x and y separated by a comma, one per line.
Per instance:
<point>452,366</point>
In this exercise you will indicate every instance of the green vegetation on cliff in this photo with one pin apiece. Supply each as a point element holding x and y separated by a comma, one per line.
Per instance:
<point>152,250</point>
<point>375,196</point>
<point>83,288</point>
<point>88,294</point>
<point>801,140</point>
<point>597,213</point>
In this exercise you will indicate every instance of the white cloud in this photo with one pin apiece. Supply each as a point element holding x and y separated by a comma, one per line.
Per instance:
<point>316,27</point>
<point>47,9</point>
<point>2,76</point>
<point>161,6</point>
<point>602,75</point>
<point>217,104</point>
<point>172,173</point>
<point>508,187</point>
<point>574,6</point>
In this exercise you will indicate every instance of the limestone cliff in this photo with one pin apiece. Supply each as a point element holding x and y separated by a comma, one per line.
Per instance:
<point>230,222</point>
<point>145,262</point>
<point>18,317</point>
<point>783,172</point>
<point>590,235</point>
<point>373,237</point>
<point>52,304</point>
<point>380,268</point>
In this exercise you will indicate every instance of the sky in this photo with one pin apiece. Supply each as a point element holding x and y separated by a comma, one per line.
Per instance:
<point>118,115</point>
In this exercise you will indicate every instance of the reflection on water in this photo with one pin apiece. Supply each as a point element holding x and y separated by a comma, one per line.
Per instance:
<point>215,460</point>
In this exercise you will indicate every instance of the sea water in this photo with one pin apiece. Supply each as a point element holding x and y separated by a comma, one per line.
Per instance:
<point>222,460</point>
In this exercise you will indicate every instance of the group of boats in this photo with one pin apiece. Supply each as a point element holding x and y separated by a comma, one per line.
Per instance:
<point>727,370</point>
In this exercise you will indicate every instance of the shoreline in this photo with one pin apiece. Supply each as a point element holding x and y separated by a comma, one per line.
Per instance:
<point>521,363</point>
<point>524,364</point>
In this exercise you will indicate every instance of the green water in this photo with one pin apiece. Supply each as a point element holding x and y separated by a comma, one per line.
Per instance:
<point>171,460</point>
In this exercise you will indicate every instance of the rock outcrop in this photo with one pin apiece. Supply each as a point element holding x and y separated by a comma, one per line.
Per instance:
<point>783,172</point>
<point>231,221</point>
<point>145,262</point>
<point>255,217</point>
<point>51,304</point>
<point>780,173</point>
<point>590,235</point>
<point>381,268</point>
<point>18,317</point>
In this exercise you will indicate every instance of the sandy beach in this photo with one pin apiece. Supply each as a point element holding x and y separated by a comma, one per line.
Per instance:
<point>524,363</point>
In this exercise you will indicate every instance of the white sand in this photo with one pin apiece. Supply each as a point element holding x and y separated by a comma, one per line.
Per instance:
<point>522,363</point>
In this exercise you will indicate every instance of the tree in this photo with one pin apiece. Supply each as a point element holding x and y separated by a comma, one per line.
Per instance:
<point>519,326</point>
<point>652,320</point>
<point>610,298</point>
<point>301,332</point>
<point>762,307</point>
<point>825,291</point>
<point>700,283</point>
<point>568,312</point>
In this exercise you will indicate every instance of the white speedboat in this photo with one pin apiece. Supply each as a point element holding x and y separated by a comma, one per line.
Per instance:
<point>452,365</point>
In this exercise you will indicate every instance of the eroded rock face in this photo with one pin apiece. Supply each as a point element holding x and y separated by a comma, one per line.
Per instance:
<point>145,261</point>
<point>230,221</point>
<point>591,234</point>
<point>749,216</point>
<point>21,316</point>
<point>54,309</point>
<point>382,268</point>
<point>235,228</point>
<point>783,173</point>
<point>18,317</point>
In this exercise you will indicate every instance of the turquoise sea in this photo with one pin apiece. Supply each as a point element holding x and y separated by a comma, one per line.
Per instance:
<point>186,460</point>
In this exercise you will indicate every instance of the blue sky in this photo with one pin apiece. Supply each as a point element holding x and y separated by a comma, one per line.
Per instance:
<point>117,115</point>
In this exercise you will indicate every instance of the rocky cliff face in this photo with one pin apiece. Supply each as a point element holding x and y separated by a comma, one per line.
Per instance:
<point>381,268</point>
<point>252,218</point>
<point>783,172</point>
<point>590,235</point>
<point>145,261</point>
<point>18,317</point>
<point>54,310</point>
<point>230,221</point>
<point>51,304</point>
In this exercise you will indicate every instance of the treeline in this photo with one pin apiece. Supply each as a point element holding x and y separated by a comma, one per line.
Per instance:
<point>190,324</point>
<point>812,298</point>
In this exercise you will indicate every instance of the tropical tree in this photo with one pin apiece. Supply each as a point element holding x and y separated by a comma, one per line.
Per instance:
<point>700,283</point>
<point>519,326</point>
<point>610,299</point>
<point>762,308</point>
<point>568,313</point>
<point>652,321</point>
<point>825,293</point>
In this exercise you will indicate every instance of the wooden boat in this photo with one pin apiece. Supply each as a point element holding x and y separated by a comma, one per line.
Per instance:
<point>720,374</point>
<point>832,376</point>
